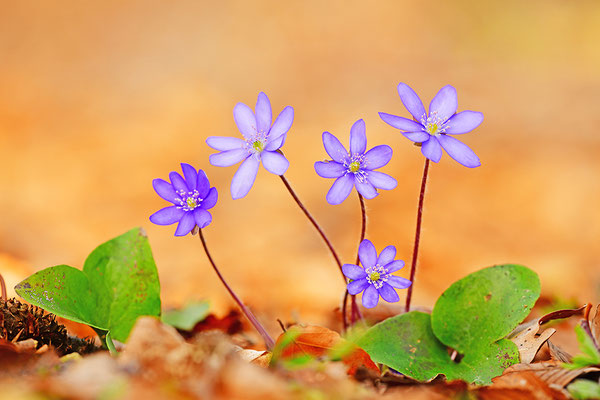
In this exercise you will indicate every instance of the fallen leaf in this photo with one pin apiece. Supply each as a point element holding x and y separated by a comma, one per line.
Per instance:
<point>317,341</point>
<point>552,372</point>
<point>257,357</point>
<point>520,385</point>
<point>230,324</point>
<point>558,354</point>
<point>595,325</point>
<point>527,339</point>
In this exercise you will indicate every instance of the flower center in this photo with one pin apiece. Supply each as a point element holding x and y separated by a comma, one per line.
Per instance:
<point>434,125</point>
<point>188,201</point>
<point>255,145</point>
<point>354,166</point>
<point>377,275</point>
<point>258,146</point>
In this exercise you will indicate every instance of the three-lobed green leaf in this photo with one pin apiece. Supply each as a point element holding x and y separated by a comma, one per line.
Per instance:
<point>119,283</point>
<point>472,317</point>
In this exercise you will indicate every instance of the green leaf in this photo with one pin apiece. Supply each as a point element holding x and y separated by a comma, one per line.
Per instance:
<point>484,306</point>
<point>407,344</point>
<point>472,317</point>
<point>584,389</point>
<point>590,355</point>
<point>119,283</point>
<point>187,317</point>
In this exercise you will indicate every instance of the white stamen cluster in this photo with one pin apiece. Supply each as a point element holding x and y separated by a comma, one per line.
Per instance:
<point>380,273</point>
<point>354,165</point>
<point>257,143</point>
<point>434,125</point>
<point>188,201</point>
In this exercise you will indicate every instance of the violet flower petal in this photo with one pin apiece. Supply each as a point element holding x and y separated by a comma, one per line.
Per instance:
<point>191,176</point>
<point>381,180</point>
<point>358,137</point>
<point>329,169</point>
<point>224,143</point>
<point>178,182</point>
<point>459,151</point>
<point>404,124</point>
<point>377,157</point>
<point>282,124</point>
<point>367,253</point>
<point>263,113</point>
<point>245,120</point>
<point>228,158</point>
<point>398,282</point>
<point>334,148</point>
<point>186,224</point>
<point>353,271</point>
<point>340,189</point>
<point>370,297</point>
<point>444,103</point>
<point>463,122</point>
<point>276,144</point>
<point>211,199</point>
<point>202,184</point>
<point>164,190</point>
<point>365,188</point>
<point>244,178</point>
<point>417,136</point>
<point>411,101</point>
<point>274,162</point>
<point>386,256</point>
<point>388,293</point>
<point>393,266</point>
<point>202,217</point>
<point>167,216</point>
<point>432,149</point>
<point>355,287</point>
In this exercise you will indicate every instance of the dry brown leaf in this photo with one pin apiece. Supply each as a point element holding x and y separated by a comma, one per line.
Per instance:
<point>527,337</point>
<point>257,357</point>
<point>318,341</point>
<point>528,341</point>
<point>520,385</point>
<point>558,354</point>
<point>595,325</point>
<point>551,372</point>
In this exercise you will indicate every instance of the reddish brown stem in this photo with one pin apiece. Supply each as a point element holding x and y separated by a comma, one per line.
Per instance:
<point>413,268</point>
<point>355,313</point>
<point>323,236</point>
<point>269,342</point>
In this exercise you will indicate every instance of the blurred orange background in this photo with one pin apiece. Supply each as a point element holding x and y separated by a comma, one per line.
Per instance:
<point>99,98</point>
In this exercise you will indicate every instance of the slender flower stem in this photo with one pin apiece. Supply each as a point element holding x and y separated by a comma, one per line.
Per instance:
<point>413,267</point>
<point>355,313</point>
<point>325,239</point>
<point>269,342</point>
<point>315,224</point>
<point>3,294</point>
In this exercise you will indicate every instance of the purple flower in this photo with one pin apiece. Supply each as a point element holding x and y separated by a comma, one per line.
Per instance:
<point>354,168</point>
<point>432,130</point>
<point>376,278</point>
<point>261,142</point>
<point>191,197</point>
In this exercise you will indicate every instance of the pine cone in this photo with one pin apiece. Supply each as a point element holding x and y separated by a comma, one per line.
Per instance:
<point>23,321</point>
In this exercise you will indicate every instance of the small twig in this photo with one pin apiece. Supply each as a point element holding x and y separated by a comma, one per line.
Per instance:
<point>3,287</point>
<point>281,325</point>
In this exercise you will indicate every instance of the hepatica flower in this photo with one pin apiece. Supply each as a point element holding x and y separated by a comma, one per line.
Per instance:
<point>354,168</point>
<point>261,142</point>
<point>432,129</point>
<point>191,196</point>
<point>375,277</point>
